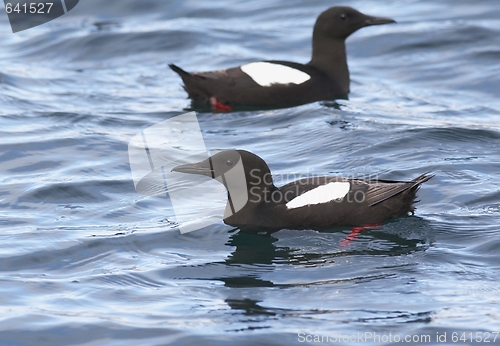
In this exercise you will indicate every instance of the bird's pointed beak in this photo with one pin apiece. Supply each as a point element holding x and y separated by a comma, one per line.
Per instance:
<point>200,168</point>
<point>378,20</point>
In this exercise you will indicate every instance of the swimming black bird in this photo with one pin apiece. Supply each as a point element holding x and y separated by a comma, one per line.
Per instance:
<point>283,83</point>
<point>308,203</point>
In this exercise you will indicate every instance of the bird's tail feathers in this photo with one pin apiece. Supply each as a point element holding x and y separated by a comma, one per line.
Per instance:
<point>178,70</point>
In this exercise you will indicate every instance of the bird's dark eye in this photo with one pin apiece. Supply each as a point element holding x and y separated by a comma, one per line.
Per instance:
<point>343,16</point>
<point>229,163</point>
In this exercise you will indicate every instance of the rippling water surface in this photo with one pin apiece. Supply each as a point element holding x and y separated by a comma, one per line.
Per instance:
<point>86,260</point>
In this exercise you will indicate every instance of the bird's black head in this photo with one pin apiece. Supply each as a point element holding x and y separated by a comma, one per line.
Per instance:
<point>245,176</point>
<point>232,167</point>
<point>341,21</point>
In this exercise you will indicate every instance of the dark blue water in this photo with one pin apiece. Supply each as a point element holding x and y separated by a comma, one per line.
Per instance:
<point>86,260</point>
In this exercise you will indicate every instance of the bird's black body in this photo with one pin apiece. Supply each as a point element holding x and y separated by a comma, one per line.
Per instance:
<point>328,71</point>
<point>232,87</point>
<point>366,202</point>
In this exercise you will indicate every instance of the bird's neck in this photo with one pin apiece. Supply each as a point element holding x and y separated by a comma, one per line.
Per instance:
<point>245,203</point>
<point>329,56</point>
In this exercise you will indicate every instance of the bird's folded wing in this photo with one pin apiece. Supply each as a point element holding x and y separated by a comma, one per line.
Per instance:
<point>379,192</point>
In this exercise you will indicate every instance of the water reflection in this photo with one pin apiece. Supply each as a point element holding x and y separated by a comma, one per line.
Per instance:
<point>258,254</point>
<point>254,248</point>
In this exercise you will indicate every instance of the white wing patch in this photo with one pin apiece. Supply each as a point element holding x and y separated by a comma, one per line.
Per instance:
<point>321,194</point>
<point>266,74</point>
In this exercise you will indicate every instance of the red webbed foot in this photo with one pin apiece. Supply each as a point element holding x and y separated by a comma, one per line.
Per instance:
<point>219,107</point>
<point>355,231</point>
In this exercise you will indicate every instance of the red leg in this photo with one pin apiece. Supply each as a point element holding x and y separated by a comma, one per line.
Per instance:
<point>355,231</point>
<point>219,107</point>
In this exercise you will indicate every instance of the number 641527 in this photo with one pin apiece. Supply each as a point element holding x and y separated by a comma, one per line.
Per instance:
<point>32,7</point>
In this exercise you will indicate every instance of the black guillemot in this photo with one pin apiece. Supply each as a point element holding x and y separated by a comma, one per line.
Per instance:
<point>270,84</point>
<point>308,203</point>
